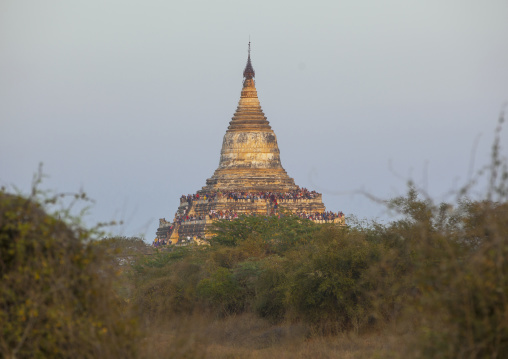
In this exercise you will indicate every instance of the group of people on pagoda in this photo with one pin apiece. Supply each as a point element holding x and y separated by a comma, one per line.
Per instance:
<point>185,216</point>
<point>230,215</point>
<point>227,214</point>
<point>272,197</point>
<point>300,193</point>
<point>212,214</point>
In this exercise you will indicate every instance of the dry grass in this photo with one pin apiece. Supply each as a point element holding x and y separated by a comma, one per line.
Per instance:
<point>247,336</point>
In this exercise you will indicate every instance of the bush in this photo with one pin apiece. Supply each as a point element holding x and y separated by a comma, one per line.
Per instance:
<point>278,234</point>
<point>463,303</point>
<point>455,259</point>
<point>56,296</point>
<point>270,300</point>
<point>328,287</point>
<point>165,290</point>
<point>222,292</point>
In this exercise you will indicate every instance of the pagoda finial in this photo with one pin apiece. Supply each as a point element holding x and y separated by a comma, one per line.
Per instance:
<point>249,73</point>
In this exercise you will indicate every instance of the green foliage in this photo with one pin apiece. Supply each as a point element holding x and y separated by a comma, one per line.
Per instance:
<point>452,270</point>
<point>280,268</point>
<point>279,234</point>
<point>221,290</point>
<point>466,289</point>
<point>328,286</point>
<point>56,296</point>
<point>270,300</point>
<point>162,291</point>
<point>438,270</point>
<point>160,259</point>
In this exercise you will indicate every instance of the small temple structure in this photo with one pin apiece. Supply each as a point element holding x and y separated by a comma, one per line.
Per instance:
<point>250,179</point>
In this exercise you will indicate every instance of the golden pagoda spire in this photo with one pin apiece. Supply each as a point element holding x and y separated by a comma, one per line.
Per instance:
<point>250,157</point>
<point>249,73</point>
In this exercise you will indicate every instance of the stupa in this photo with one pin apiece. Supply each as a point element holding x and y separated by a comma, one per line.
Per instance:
<point>250,178</point>
<point>250,157</point>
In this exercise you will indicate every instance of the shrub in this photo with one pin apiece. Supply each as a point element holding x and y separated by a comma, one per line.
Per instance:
<point>163,291</point>
<point>278,234</point>
<point>222,291</point>
<point>56,296</point>
<point>271,289</point>
<point>327,287</point>
<point>463,303</point>
<point>456,261</point>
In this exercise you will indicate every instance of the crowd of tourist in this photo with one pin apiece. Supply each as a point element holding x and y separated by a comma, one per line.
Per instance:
<point>300,193</point>
<point>227,214</point>
<point>230,215</point>
<point>272,197</point>
<point>185,217</point>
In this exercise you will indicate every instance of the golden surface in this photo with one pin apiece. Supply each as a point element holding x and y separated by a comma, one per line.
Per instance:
<point>250,159</point>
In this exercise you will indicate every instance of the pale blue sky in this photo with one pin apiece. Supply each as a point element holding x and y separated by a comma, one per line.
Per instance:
<point>129,100</point>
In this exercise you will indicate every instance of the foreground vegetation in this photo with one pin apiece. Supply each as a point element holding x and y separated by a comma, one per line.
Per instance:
<point>431,284</point>
<point>55,296</point>
<point>439,273</point>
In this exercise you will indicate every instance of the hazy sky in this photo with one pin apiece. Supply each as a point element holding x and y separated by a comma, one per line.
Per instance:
<point>129,100</point>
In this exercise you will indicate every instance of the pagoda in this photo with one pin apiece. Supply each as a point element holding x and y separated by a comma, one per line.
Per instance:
<point>250,178</point>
